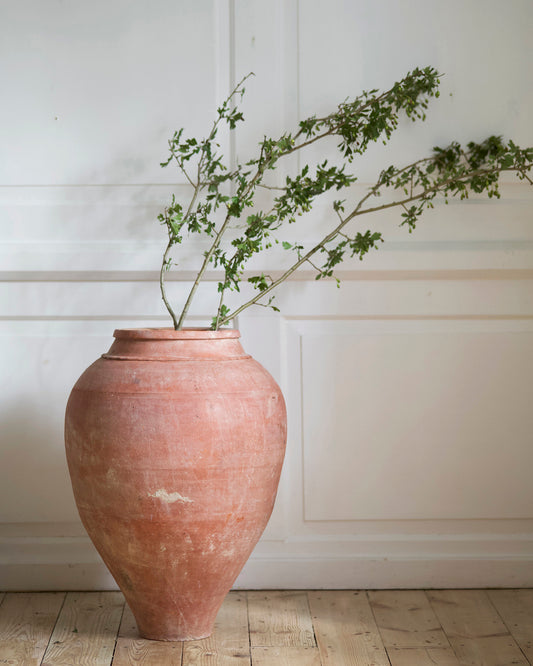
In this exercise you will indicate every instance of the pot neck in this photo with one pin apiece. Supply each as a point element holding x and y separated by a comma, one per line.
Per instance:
<point>166,344</point>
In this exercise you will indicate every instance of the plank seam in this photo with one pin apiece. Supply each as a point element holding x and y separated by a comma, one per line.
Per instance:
<point>55,624</point>
<point>509,630</point>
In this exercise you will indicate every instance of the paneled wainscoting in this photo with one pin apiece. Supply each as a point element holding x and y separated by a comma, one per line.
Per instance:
<point>408,389</point>
<point>278,628</point>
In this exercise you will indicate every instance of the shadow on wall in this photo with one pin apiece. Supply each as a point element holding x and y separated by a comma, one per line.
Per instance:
<point>44,545</point>
<point>34,481</point>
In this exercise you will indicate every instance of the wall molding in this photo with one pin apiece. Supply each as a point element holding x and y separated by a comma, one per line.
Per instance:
<point>458,260</point>
<point>300,276</point>
<point>93,259</point>
<point>70,562</point>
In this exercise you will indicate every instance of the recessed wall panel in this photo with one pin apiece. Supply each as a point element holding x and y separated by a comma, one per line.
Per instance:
<point>91,91</point>
<point>416,422</point>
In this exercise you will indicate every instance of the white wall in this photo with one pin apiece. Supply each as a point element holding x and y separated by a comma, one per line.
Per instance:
<point>409,389</point>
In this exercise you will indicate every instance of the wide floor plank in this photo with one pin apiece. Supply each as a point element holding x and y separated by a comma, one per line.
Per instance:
<point>515,607</point>
<point>286,656</point>
<point>422,657</point>
<point>475,630</point>
<point>229,644</point>
<point>86,630</point>
<point>280,619</point>
<point>132,650</point>
<point>345,629</point>
<point>375,628</point>
<point>406,620</point>
<point>26,624</point>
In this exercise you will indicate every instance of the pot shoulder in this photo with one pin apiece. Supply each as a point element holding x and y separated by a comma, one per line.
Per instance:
<point>204,376</point>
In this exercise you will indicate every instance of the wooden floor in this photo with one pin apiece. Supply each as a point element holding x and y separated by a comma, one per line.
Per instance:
<point>313,628</point>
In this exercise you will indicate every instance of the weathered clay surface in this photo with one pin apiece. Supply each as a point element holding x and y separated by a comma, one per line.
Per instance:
<point>175,441</point>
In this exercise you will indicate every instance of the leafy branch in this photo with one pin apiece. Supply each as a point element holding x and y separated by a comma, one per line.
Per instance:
<point>372,116</point>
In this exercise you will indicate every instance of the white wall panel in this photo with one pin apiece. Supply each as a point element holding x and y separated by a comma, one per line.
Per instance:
<point>417,420</point>
<point>481,47</point>
<point>92,91</point>
<point>408,388</point>
<point>40,361</point>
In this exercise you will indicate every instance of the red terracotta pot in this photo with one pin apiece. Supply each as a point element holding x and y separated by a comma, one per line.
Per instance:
<point>175,441</point>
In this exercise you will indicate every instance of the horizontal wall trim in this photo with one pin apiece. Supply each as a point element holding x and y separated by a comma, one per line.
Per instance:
<point>302,276</point>
<point>83,186</point>
<point>386,573</point>
<point>370,574</point>
<point>400,554</point>
<point>302,573</point>
<point>374,561</point>
<point>377,317</point>
<point>509,188</point>
<point>412,317</point>
<point>83,318</point>
<point>29,549</point>
<point>114,256</point>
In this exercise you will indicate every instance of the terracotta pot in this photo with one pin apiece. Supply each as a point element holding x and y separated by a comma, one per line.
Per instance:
<point>175,441</point>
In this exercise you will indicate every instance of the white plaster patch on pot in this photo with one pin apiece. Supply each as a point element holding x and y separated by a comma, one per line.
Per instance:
<point>170,498</point>
<point>111,476</point>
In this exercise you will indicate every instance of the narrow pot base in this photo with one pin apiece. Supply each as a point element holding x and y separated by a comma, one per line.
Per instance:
<point>167,638</point>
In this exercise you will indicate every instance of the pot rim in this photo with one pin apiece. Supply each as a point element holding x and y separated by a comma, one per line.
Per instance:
<point>189,333</point>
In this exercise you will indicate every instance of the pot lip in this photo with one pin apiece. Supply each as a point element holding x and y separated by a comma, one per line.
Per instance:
<point>189,333</point>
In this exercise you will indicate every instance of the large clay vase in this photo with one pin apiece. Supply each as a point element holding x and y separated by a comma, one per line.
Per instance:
<point>175,441</point>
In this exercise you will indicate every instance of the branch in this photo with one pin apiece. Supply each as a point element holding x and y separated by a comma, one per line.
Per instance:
<point>212,249</point>
<point>164,268</point>
<point>430,190</point>
<point>359,211</point>
<point>207,259</point>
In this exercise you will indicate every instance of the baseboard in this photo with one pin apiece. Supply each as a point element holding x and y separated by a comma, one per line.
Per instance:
<point>70,562</point>
<point>386,573</point>
<point>261,574</point>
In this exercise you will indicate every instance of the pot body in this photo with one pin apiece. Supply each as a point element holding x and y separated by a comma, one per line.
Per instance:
<point>175,442</point>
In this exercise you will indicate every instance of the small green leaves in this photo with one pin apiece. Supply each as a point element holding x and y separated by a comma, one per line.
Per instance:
<point>359,245</point>
<point>411,215</point>
<point>299,192</point>
<point>235,206</point>
<point>362,243</point>
<point>173,219</point>
<point>309,127</point>
<point>223,313</point>
<point>372,116</point>
<point>233,118</point>
<point>260,282</point>
<point>453,171</point>
<point>224,197</point>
